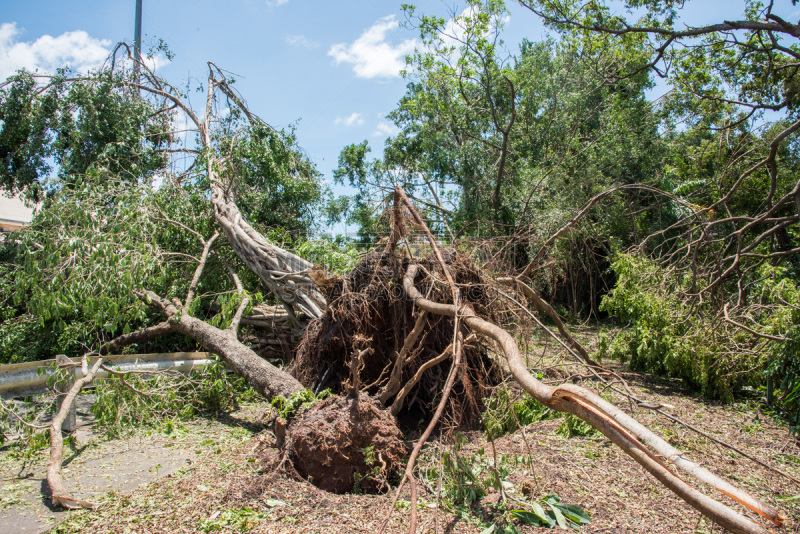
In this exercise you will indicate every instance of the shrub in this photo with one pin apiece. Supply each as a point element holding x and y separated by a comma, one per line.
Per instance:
<point>669,334</point>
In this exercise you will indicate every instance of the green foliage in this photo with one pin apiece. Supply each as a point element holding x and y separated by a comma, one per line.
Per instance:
<point>501,142</point>
<point>466,478</point>
<point>567,132</point>
<point>338,258</point>
<point>30,439</point>
<point>575,426</point>
<point>236,520</point>
<point>665,338</point>
<point>504,415</point>
<point>557,514</point>
<point>26,121</point>
<point>277,185</point>
<point>298,402</point>
<point>783,368</point>
<point>365,207</point>
<point>114,218</point>
<point>72,274</point>
<point>139,400</point>
<point>142,400</point>
<point>373,468</point>
<point>93,123</point>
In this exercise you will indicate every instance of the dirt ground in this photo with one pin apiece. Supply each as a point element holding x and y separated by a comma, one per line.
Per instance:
<point>228,481</point>
<point>97,468</point>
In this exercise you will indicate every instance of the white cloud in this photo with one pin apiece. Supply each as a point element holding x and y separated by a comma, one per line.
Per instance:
<point>156,61</point>
<point>301,40</point>
<point>371,55</point>
<point>353,119</point>
<point>385,129</point>
<point>47,53</point>
<point>277,3</point>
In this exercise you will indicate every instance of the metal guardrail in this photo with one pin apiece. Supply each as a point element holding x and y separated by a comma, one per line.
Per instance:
<point>30,378</point>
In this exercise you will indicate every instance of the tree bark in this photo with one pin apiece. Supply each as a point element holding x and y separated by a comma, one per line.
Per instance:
<point>264,377</point>
<point>281,271</point>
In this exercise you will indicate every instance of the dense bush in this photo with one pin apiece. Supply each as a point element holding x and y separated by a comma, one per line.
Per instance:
<point>669,334</point>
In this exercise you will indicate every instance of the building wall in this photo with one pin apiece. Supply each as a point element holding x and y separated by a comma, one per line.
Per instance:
<point>13,214</point>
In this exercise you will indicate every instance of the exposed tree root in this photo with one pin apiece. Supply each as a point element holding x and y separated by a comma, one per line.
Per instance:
<point>405,371</point>
<point>408,475</point>
<point>346,443</point>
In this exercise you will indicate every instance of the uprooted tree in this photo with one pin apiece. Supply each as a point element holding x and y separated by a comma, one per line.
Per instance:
<point>558,163</point>
<point>398,335</point>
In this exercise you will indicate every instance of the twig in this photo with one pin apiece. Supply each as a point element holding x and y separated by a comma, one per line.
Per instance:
<point>409,475</point>
<point>196,278</point>
<point>750,330</point>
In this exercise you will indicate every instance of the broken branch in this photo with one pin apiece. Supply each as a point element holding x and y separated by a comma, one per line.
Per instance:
<point>58,492</point>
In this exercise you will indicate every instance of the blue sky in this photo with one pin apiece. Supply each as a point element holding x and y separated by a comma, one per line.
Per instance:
<point>330,67</point>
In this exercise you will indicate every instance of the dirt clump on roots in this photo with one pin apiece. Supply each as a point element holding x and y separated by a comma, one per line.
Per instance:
<point>344,444</point>
<point>368,308</point>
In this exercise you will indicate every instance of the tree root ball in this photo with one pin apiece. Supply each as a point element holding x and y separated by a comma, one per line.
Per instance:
<point>344,444</point>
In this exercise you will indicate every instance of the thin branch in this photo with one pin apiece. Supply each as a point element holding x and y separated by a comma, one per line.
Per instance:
<point>199,271</point>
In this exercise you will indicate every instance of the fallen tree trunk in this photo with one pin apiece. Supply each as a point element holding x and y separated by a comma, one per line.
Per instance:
<point>265,378</point>
<point>614,424</point>
<point>284,273</point>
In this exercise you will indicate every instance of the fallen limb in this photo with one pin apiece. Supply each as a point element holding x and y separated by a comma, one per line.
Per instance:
<point>545,307</point>
<point>614,424</point>
<point>58,492</point>
<point>140,336</point>
<point>657,407</point>
<point>265,378</point>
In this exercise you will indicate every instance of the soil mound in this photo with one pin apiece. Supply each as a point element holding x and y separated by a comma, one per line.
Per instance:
<point>344,444</point>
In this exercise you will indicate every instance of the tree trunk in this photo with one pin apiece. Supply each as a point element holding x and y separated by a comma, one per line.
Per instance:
<point>264,377</point>
<point>281,271</point>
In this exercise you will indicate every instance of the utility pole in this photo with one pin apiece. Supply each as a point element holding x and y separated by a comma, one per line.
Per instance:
<point>137,40</point>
